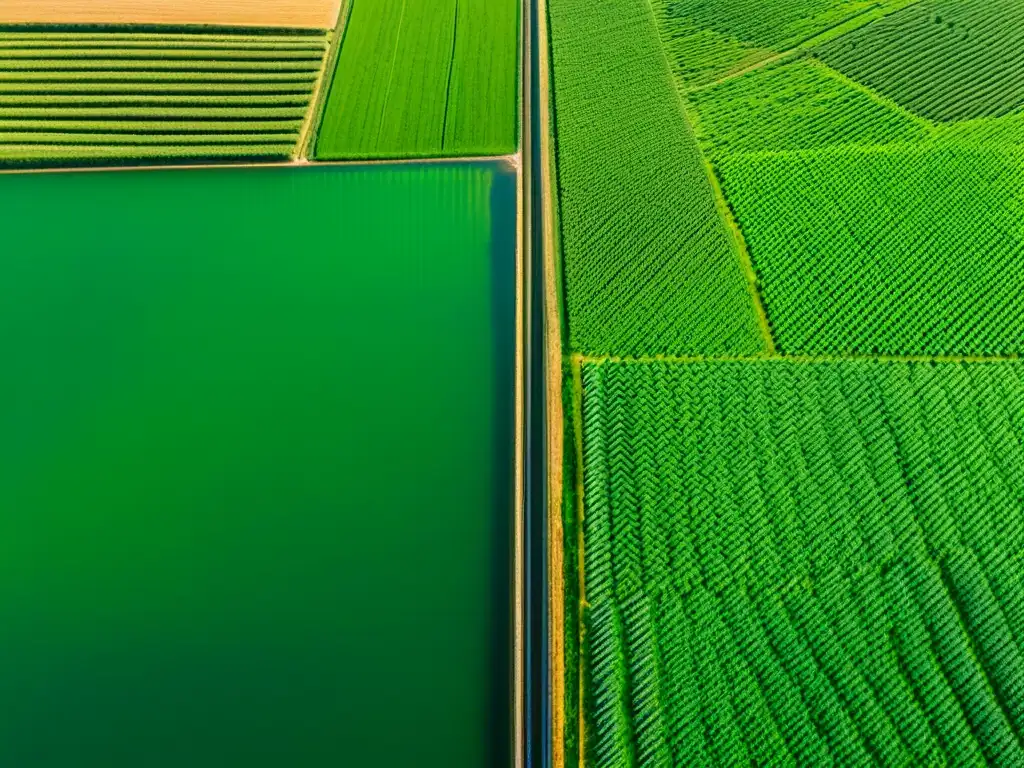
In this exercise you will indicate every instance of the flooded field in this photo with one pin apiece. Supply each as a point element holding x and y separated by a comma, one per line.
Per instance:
<point>255,466</point>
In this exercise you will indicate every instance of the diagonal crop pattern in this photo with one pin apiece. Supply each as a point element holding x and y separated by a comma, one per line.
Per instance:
<point>423,78</point>
<point>796,563</point>
<point>708,40</point>
<point>793,106</point>
<point>944,59</point>
<point>98,96</point>
<point>649,265</point>
<point>899,250</point>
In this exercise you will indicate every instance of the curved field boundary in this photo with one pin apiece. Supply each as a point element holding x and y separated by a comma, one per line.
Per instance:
<point>313,14</point>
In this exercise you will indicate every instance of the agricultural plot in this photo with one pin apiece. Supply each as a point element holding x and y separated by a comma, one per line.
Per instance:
<point>99,96</point>
<point>423,78</point>
<point>705,41</point>
<point>796,106</point>
<point>649,265</point>
<point>806,551</point>
<point>892,250</point>
<point>943,59</point>
<point>803,564</point>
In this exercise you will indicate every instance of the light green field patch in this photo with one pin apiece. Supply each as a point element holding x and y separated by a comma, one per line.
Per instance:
<point>1007,130</point>
<point>798,105</point>
<point>903,250</point>
<point>708,40</point>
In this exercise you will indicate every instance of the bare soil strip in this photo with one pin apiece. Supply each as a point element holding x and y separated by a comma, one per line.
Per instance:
<point>312,14</point>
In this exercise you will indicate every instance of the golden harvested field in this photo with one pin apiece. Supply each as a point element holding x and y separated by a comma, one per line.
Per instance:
<point>316,14</point>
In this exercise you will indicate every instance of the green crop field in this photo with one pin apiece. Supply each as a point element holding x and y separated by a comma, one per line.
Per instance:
<point>798,105</point>
<point>124,96</point>
<point>792,255</point>
<point>423,78</point>
<point>803,564</point>
<point>875,251</point>
<point>943,59</point>
<point>650,267</point>
<point>705,40</point>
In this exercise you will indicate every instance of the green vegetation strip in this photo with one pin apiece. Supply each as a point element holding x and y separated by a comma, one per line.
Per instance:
<point>803,564</point>
<point>423,78</point>
<point>649,265</point>
<point>101,96</point>
<point>944,59</point>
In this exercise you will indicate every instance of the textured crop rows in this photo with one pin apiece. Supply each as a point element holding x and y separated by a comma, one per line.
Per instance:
<point>796,106</point>
<point>803,564</point>
<point>649,265</point>
<point>423,78</point>
<point>706,40</point>
<point>944,59</point>
<point>809,554</point>
<point>904,250</point>
<point>122,95</point>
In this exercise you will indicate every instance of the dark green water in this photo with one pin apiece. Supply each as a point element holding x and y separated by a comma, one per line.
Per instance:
<point>255,462</point>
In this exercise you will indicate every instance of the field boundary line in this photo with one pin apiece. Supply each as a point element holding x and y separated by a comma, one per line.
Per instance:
<point>725,215</point>
<point>732,227</point>
<point>579,358</point>
<point>871,93</point>
<point>512,161</point>
<point>852,24</point>
<point>318,102</point>
<point>555,416</point>
<point>721,204</point>
<point>522,386</point>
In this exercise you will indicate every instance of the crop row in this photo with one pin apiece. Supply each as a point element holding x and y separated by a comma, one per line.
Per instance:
<point>112,95</point>
<point>706,40</point>
<point>803,563</point>
<point>944,59</point>
<point>795,106</point>
<point>424,78</point>
<point>649,265</point>
<point>903,250</point>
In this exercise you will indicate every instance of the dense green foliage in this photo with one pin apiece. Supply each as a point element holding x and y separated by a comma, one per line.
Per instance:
<point>706,40</point>
<point>67,96</point>
<point>893,250</point>
<point>649,266</point>
<point>944,59</point>
<point>803,564</point>
<point>797,558</point>
<point>798,105</point>
<point>421,78</point>
<point>998,131</point>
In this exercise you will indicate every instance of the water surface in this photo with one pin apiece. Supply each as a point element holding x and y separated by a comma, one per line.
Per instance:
<point>255,466</point>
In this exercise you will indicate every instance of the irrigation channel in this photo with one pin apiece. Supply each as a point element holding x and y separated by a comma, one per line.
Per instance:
<point>256,468</point>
